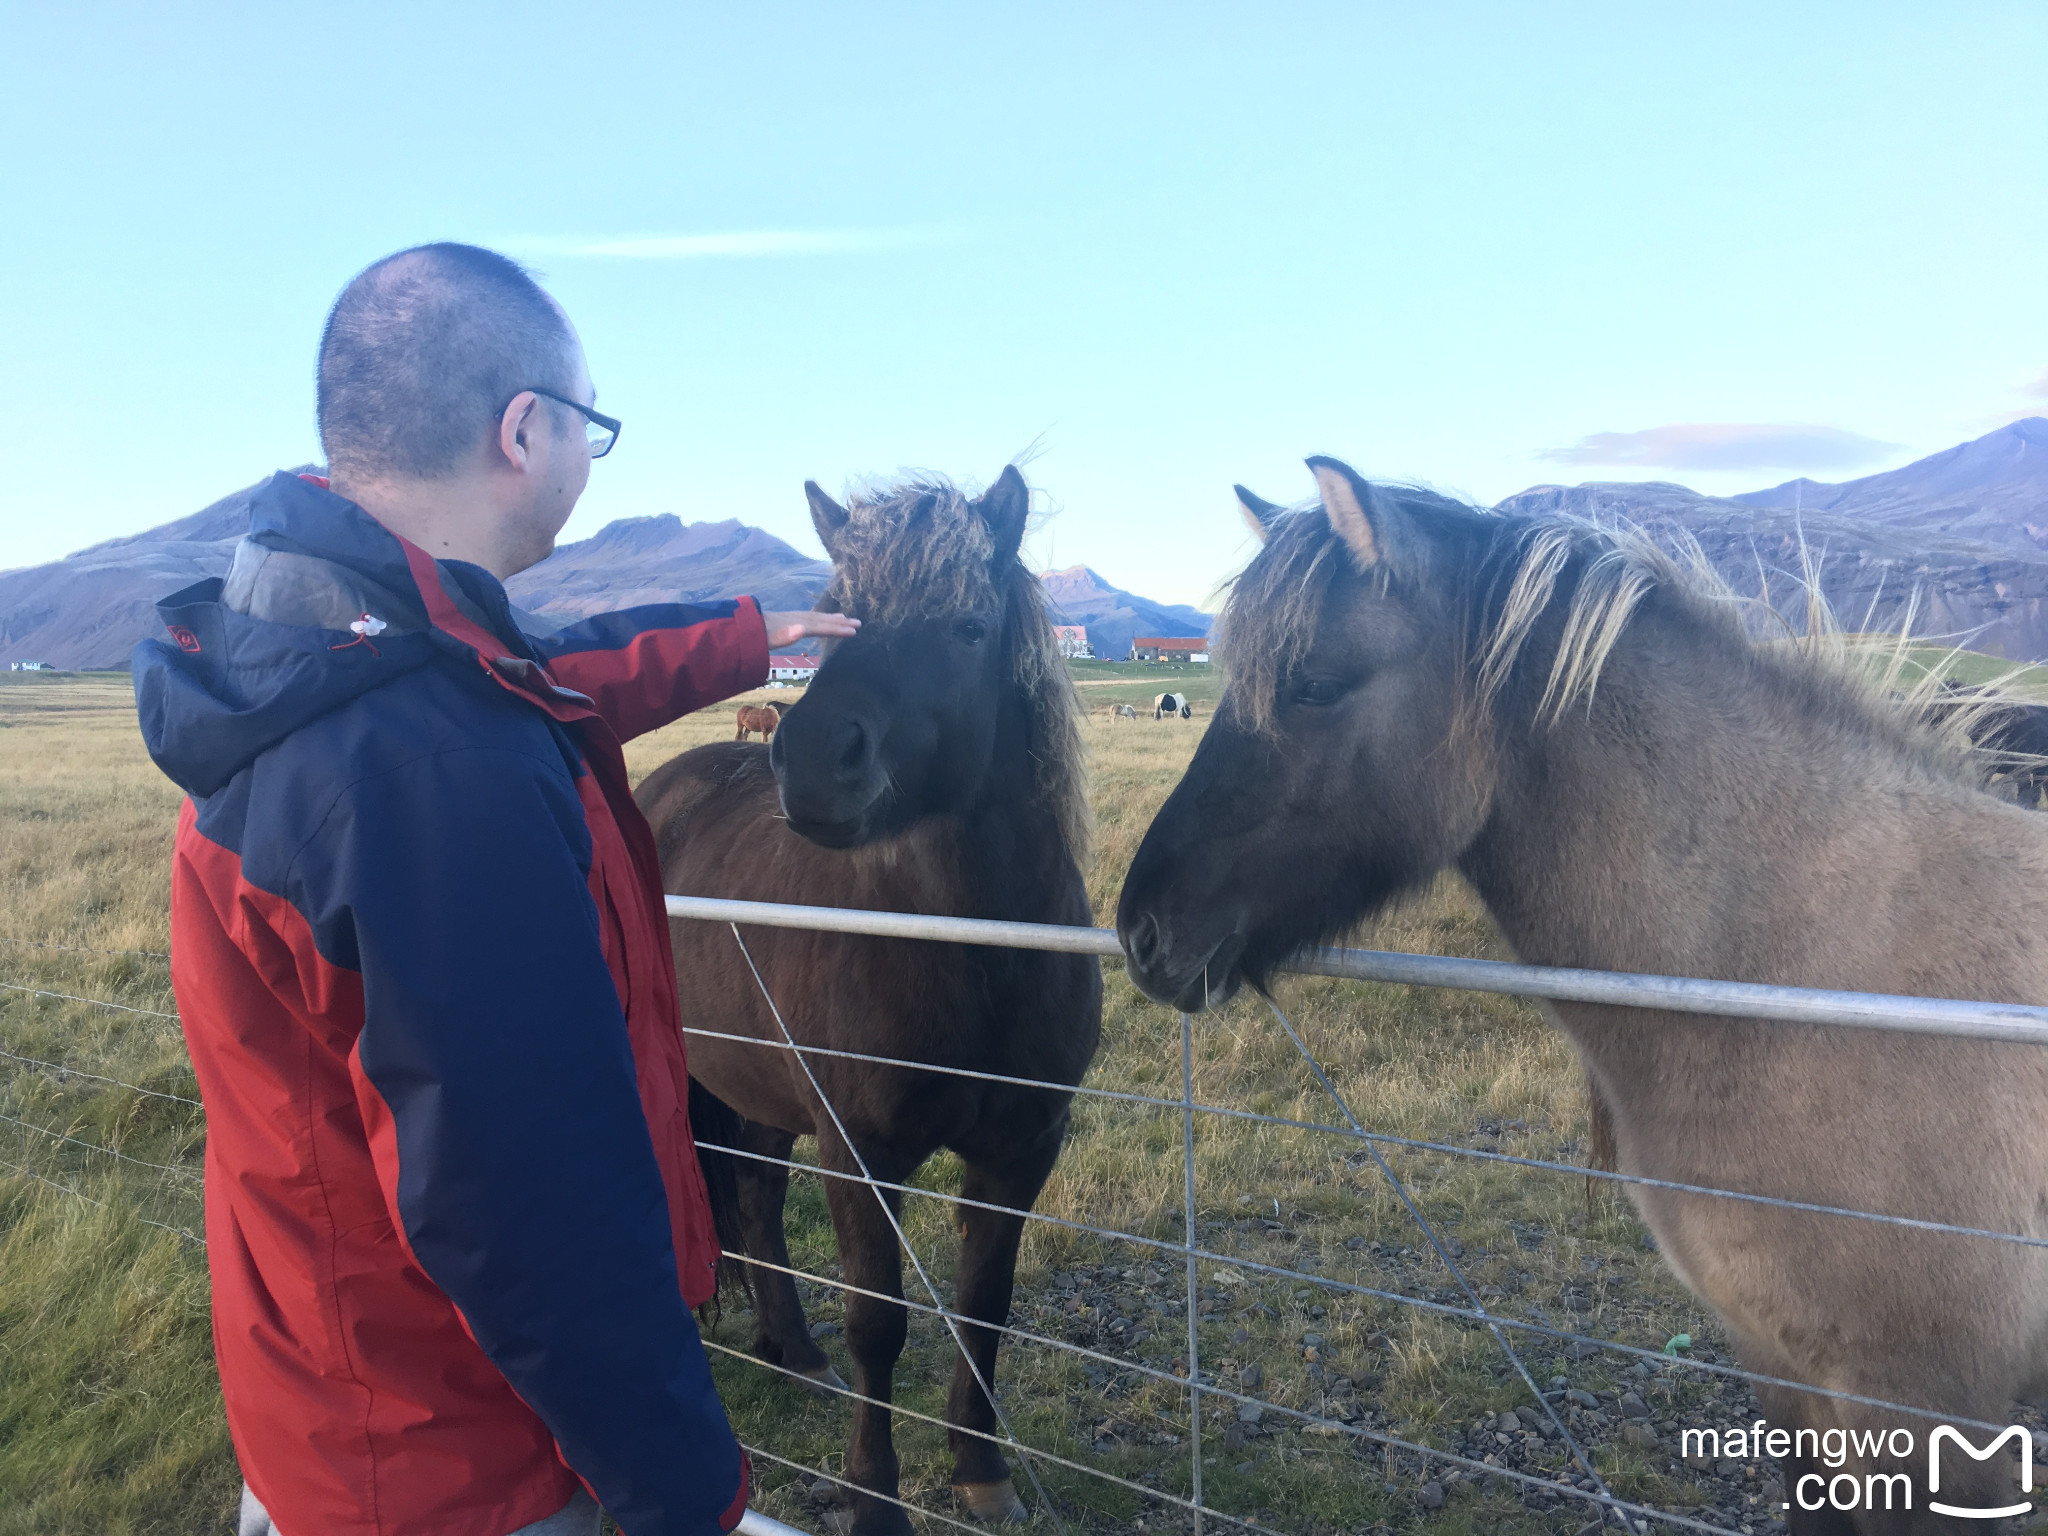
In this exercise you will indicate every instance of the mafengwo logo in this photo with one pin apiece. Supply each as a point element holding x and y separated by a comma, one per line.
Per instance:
<point>1847,1491</point>
<point>1944,1432</point>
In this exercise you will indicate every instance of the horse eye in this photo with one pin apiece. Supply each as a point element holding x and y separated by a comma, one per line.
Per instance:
<point>1318,690</point>
<point>970,630</point>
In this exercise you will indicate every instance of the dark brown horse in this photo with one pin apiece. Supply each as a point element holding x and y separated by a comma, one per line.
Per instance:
<point>758,717</point>
<point>2009,735</point>
<point>932,766</point>
<point>1586,732</point>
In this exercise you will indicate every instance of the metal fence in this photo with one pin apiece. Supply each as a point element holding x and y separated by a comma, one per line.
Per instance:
<point>1580,1482</point>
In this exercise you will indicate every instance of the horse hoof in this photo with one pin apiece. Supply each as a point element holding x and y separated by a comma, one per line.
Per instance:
<point>993,1503</point>
<point>825,1381</point>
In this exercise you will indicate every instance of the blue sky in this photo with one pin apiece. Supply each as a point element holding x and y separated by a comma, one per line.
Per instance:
<point>1171,245</point>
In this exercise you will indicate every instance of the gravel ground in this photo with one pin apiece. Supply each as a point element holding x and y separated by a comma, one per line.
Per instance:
<point>1296,1348</point>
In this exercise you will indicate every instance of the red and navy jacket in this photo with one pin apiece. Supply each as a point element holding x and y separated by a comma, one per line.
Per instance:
<point>454,1216</point>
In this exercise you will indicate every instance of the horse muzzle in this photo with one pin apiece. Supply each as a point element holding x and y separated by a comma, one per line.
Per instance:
<point>829,776</point>
<point>1189,974</point>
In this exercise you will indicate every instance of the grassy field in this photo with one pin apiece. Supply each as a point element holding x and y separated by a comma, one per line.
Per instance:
<point>109,1411</point>
<point>1970,667</point>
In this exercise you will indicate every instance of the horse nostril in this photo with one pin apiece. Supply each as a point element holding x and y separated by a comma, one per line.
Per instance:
<point>851,761</point>
<point>1141,941</point>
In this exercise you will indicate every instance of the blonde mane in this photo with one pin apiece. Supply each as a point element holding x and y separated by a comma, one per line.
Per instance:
<point>1522,569</point>
<point>921,549</point>
<point>1622,568</point>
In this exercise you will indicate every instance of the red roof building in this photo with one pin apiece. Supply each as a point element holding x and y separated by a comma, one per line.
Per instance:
<point>1170,648</point>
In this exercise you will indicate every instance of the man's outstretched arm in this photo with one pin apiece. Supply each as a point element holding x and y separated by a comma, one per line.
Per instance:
<point>644,667</point>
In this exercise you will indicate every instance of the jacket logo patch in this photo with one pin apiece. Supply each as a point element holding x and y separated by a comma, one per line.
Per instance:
<point>187,641</point>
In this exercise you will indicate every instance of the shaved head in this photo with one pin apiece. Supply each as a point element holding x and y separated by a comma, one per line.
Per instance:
<point>422,352</point>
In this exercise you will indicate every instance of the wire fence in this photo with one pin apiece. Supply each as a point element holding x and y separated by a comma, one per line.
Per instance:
<point>1580,1480</point>
<point>1577,1480</point>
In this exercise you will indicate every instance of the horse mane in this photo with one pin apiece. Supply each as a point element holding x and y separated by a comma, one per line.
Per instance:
<point>1522,569</point>
<point>1620,567</point>
<point>1268,624</point>
<point>920,549</point>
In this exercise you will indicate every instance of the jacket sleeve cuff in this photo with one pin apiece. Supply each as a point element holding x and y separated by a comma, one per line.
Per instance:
<point>752,666</point>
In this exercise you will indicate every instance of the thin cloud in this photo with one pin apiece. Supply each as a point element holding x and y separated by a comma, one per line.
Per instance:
<point>2038,389</point>
<point>1704,445</point>
<point>736,243</point>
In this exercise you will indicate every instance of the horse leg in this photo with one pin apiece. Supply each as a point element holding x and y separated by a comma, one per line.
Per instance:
<point>875,1328</point>
<point>1799,1520</point>
<point>1891,1493</point>
<point>988,1272</point>
<point>781,1336</point>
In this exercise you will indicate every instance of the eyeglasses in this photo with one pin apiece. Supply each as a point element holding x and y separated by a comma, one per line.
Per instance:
<point>599,430</point>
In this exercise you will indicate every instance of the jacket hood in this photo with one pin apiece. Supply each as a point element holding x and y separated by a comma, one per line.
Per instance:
<point>253,656</point>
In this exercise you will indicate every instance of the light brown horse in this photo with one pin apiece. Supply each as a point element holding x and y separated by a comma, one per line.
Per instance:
<point>758,717</point>
<point>1590,737</point>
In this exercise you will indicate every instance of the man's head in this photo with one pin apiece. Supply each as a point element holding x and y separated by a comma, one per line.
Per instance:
<point>427,406</point>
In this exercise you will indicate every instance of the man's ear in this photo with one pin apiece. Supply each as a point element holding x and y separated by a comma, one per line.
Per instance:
<point>1376,532</point>
<point>516,426</point>
<point>827,516</point>
<point>1258,513</point>
<point>1004,506</point>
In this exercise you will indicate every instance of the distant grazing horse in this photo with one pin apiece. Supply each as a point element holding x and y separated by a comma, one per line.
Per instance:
<point>758,717</point>
<point>1171,704</point>
<point>934,765</point>
<point>1630,784</point>
<point>1122,712</point>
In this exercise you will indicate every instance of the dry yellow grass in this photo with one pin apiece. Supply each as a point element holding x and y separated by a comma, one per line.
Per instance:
<point>109,1417</point>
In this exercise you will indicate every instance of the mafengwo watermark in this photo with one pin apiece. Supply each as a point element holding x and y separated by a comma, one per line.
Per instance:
<point>1872,1487</point>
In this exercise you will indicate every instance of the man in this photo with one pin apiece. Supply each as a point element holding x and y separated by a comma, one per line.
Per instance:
<point>454,1217</point>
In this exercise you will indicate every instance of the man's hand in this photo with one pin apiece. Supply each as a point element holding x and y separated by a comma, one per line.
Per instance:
<point>788,628</point>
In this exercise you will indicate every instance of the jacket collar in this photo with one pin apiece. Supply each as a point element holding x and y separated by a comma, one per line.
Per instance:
<point>464,605</point>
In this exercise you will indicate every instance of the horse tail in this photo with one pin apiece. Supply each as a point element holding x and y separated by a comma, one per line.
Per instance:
<point>716,1125</point>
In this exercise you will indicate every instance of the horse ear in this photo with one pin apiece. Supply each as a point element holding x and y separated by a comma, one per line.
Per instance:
<point>827,516</point>
<point>1258,513</point>
<point>1004,507</point>
<point>1364,519</point>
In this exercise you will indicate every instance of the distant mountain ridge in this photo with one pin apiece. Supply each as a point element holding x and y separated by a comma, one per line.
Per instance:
<point>1967,528</point>
<point>1993,488</point>
<point>662,559</point>
<point>1957,537</point>
<point>89,609</point>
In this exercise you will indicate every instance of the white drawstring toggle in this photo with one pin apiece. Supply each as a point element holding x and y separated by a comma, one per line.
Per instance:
<point>368,624</point>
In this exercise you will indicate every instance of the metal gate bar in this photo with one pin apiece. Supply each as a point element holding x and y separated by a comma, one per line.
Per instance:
<point>2017,1023</point>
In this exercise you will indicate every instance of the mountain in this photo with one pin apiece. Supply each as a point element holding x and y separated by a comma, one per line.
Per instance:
<point>1957,535</point>
<point>1994,489</point>
<point>89,609</point>
<point>1967,527</point>
<point>665,560</point>
<point>1112,616</point>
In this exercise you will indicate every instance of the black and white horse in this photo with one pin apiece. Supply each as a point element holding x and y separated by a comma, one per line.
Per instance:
<point>1172,704</point>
